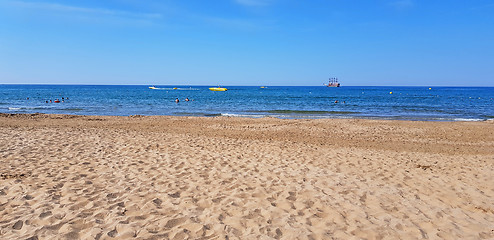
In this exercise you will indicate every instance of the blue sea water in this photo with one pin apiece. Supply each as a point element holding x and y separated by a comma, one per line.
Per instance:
<point>407,103</point>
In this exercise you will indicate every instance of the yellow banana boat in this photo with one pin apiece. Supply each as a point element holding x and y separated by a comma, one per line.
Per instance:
<point>218,89</point>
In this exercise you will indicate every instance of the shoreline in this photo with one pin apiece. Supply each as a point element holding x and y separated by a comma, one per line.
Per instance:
<point>77,176</point>
<point>225,115</point>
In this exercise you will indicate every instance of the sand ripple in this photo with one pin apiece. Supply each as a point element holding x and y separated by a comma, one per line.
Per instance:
<point>221,178</point>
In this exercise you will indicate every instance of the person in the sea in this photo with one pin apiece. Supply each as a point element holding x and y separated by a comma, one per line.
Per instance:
<point>186,99</point>
<point>336,101</point>
<point>176,100</point>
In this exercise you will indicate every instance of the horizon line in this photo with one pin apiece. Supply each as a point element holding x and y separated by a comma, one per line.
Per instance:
<point>198,85</point>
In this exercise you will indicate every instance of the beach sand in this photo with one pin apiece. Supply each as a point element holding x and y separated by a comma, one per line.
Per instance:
<point>159,177</point>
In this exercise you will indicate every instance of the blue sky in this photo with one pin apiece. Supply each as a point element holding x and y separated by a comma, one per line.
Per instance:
<point>248,42</point>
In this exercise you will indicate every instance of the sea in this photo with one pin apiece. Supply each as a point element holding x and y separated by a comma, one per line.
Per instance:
<point>286,102</point>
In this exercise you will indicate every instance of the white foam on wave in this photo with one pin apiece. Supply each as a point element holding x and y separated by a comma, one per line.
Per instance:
<point>242,115</point>
<point>179,89</point>
<point>28,108</point>
<point>344,117</point>
<point>468,119</point>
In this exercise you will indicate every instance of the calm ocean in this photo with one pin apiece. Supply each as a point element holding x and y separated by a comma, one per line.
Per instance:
<point>408,103</point>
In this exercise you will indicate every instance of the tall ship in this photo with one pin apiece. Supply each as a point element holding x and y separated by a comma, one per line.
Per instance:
<point>333,82</point>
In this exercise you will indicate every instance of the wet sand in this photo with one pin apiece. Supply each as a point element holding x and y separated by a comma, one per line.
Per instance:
<point>100,177</point>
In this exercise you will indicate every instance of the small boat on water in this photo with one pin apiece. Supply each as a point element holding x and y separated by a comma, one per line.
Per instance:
<point>218,89</point>
<point>153,87</point>
<point>333,82</point>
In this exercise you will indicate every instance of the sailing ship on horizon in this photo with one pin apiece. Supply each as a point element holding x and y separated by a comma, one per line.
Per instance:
<point>333,82</point>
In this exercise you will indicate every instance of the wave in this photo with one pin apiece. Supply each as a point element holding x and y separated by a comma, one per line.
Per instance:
<point>420,110</point>
<point>425,118</point>
<point>243,115</point>
<point>405,118</point>
<point>310,112</point>
<point>468,119</point>
<point>286,116</point>
<point>197,114</point>
<point>46,108</point>
<point>213,115</point>
<point>182,89</point>
<point>26,108</point>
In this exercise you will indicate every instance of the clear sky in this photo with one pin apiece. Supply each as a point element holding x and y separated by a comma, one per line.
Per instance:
<point>248,42</point>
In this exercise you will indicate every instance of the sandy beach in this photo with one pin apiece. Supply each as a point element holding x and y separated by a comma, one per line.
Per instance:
<point>159,177</point>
